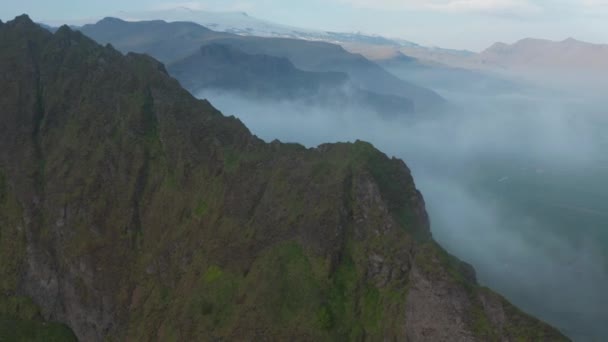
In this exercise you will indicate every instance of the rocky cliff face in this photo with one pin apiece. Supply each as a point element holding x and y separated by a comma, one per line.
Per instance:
<point>131,211</point>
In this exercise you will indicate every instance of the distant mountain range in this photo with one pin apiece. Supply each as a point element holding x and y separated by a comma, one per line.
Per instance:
<point>526,52</point>
<point>369,45</point>
<point>227,68</point>
<point>361,57</point>
<point>569,62</point>
<point>243,24</point>
<point>546,54</point>
<point>173,42</point>
<point>444,78</point>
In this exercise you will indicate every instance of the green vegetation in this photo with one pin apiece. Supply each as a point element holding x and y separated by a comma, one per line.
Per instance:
<point>434,260</point>
<point>33,331</point>
<point>3,186</point>
<point>20,321</point>
<point>12,238</point>
<point>231,160</point>
<point>325,318</point>
<point>201,208</point>
<point>482,328</point>
<point>18,307</point>
<point>284,287</point>
<point>213,273</point>
<point>341,299</point>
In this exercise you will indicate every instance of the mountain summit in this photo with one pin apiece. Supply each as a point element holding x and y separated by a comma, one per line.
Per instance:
<point>129,210</point>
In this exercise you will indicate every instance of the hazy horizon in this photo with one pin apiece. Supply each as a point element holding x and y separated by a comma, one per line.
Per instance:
<point>479,23</point>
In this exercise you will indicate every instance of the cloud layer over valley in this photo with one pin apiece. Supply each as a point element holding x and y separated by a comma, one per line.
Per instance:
<point>514,184</point>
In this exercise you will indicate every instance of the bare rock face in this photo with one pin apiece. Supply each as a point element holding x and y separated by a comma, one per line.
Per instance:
<point>436,310</point>
<point>145,214</point>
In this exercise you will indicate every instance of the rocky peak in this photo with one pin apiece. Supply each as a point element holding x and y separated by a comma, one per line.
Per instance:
<point>110,21</point>
<point>22,20</point>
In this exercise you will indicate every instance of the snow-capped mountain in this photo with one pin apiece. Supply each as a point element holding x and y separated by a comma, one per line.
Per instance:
<point>233,22</point>
<point>243,24</point>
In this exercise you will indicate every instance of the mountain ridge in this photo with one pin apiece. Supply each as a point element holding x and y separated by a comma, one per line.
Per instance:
<point>132,211</point>
<point>546,54</point>
<point>262,77</point>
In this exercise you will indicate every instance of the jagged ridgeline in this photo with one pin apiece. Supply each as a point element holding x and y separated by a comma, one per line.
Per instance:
<point>130,210</point>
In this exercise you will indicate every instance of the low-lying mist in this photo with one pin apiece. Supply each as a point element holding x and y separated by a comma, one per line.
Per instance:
<point>515,184</point>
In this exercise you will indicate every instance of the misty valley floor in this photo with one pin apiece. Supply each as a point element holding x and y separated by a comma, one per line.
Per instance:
<point>519,194</point>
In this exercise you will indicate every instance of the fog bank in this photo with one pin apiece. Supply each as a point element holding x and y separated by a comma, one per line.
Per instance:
<point>514,184</point>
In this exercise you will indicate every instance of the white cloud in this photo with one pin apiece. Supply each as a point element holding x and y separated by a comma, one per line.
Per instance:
<point>498,7</point>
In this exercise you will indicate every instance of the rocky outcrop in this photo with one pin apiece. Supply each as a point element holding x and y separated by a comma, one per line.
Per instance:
<point>132,211</point>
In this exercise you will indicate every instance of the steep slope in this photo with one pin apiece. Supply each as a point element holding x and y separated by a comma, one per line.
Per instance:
<point>132,211</point>
<point>176,43</point>
<point>225,68</point>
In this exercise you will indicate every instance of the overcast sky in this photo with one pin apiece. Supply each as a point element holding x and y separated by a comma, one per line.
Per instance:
<point>462,24</point>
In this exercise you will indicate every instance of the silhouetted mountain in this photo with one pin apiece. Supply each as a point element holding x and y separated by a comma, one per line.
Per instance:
<point>321,56</point>
<point>164,41</point>
<point>226,68</point>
